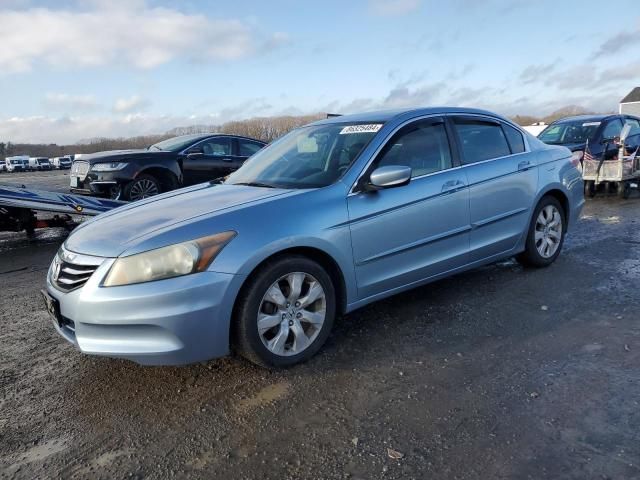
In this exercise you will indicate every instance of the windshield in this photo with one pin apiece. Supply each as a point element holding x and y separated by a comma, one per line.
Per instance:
<point>569,132</point>
<point>309,157</point>
<point>175,144</point>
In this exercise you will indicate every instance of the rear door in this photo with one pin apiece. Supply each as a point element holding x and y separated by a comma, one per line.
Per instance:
<point>406,234</point>
<point>503,180</point>
<point>209,159</point>
<point>244,148</point>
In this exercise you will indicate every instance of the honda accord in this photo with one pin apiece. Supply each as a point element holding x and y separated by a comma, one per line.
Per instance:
<point>333,216</point>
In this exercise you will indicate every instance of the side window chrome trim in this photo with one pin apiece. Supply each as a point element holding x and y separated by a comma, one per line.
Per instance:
<point>527,147</point>
<point>494,120</point>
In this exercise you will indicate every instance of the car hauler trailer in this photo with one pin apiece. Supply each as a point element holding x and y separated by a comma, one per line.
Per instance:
<point>19,208</point>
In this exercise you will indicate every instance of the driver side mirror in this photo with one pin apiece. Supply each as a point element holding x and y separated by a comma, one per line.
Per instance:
<point>389,176</point>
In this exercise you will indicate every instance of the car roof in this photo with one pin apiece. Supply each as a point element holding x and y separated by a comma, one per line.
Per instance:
<point>383,116</point>
<point>586,118</point>
<point>196,137</point>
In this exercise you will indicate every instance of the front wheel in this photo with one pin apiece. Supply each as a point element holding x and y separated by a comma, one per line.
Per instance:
<point>143,186</point>
<point>546,234</point>
<point>285,313</point>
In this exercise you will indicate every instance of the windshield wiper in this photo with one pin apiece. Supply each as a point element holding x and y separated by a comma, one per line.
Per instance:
<point>254,184</point>
<point>156,147</point>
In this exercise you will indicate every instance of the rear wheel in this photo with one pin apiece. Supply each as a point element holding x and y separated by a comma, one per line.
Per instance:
<point>143,186</point>
<point>285,313</point>
<point>546,234</point>
<point>624,189</point>
<point>590,188</point>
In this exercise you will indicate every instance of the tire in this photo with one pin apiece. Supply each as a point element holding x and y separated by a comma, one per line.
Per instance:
<point>533,254</point>
<point>624,190</point>
<point>143,186</point>
<point>285,325</point>
<point>590,188</point>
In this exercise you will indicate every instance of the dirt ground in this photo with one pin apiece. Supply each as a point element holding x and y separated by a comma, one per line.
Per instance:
<point>497,373</point>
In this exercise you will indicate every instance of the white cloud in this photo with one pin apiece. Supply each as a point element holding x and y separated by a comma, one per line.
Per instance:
<point>70,103</point>
<point>131,104</point>
<point>132,33</point>
<point>393,7</point>
<point>68,130</point>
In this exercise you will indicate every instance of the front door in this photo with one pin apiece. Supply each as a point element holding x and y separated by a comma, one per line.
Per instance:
<point>406,234</point>
<point>208,160</point>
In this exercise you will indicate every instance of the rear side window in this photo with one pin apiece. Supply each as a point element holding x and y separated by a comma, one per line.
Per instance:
<point>422,145</point>
<point>481,140</point>
<point>248,148</point>
<point>516,141</point>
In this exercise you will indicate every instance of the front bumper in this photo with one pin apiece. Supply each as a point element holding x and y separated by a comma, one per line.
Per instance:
<point>101,184</point>
<point>168,322</point>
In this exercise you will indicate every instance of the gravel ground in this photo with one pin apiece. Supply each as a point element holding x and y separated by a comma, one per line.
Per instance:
<point>497,373</point>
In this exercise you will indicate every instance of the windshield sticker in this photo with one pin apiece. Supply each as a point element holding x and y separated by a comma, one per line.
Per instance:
<point>373,128</point>
<point>591,124</point>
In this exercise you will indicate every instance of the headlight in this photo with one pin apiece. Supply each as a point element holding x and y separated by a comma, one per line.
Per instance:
<point>108,167</point>
<point>576,157</point>
<point>166,262</point>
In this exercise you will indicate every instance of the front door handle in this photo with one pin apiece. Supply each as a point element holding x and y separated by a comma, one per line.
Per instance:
<point>452,185</point>
<point>524,165</point>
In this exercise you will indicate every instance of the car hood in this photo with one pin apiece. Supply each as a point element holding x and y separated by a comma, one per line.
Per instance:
<point>118,155</point>
<point>114,232</point>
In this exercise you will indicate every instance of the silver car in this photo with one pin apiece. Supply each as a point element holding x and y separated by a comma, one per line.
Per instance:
<point>331,217</point>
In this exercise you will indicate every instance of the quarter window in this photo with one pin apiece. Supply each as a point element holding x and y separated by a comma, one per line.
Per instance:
<point>481,140</point>
<point>423,146</point>
<point>516,141</point>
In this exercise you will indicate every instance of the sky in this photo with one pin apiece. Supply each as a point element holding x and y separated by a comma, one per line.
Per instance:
<point>73,70</point>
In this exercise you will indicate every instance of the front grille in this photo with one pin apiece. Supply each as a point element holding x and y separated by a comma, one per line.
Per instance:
<point>80,169</point>
<point>71,270</point>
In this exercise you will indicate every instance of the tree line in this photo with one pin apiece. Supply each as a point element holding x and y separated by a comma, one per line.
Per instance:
<point>266,129</point>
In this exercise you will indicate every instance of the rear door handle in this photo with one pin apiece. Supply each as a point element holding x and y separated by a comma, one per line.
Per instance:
<point>524,165</point>
<point>452,185</point>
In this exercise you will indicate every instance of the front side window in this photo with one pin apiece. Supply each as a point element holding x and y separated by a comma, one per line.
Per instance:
<point>309,157</point>
<point>481,140</point>
<point>423,146</point>
<point>216,147</point>
<point>613,129</point>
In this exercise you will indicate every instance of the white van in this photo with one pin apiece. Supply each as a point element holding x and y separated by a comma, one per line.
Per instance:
<point>39,163</point>
<point>17,163</point>
<point>61,163</point>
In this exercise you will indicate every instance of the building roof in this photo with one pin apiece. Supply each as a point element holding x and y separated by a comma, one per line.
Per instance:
<point>634,96</point>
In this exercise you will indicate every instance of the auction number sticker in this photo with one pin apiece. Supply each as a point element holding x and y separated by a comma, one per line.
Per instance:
<point>373,128</point>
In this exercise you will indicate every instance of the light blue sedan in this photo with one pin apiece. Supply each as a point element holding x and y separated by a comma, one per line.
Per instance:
<point>331,217</point>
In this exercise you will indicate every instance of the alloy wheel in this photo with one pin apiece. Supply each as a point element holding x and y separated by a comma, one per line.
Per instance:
<point>548,232</point>
<point>291,314</point>
<point>143,188</point>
